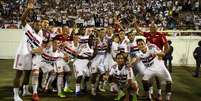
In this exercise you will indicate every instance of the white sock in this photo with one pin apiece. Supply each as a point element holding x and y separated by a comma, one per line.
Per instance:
<point>151,90</point>
<point>60,83</point>
<point>168,96</point>
<point>77,87</point>
<point>112,87</point>
<point>66,84</point>
<point>100,84</point>
<point>104,83</point>
<point>93,88</point>
<point>35,83</point>
<point>25,88</point>
<point>159,91</point>
<point>149,94</point>
<point>35,88</point>
<point>44,79</point>
<point>16,92</point>
<point>50,80</point>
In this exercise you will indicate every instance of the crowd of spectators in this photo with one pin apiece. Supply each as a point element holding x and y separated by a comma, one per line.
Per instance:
<point>168,14</point>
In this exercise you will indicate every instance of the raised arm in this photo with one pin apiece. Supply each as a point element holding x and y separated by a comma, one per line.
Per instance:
<point>139,31</point>
<point>26,12</point>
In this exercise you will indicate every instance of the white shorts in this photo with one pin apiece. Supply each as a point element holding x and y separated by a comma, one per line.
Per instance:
<point>140,68</point>
<point>157,69</point>
<point>101,63</point>
<point>81,67</point>
<point>61,66</point>
<point>23,62</point>
<point>46,66</point>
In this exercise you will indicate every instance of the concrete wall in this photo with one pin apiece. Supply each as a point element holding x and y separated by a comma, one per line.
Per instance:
<point>9,41</point>
<point>182,55</point>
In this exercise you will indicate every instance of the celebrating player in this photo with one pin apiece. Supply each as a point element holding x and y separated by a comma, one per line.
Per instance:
<point>23,59</point>
<point>150,56</point>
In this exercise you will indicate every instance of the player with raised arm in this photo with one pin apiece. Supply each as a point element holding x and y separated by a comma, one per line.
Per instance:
<point>23,60</point>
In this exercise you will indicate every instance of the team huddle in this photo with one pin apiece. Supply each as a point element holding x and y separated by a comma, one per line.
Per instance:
<point>100,57</point>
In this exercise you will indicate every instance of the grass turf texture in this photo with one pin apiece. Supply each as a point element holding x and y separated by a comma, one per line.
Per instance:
<point>185,87</point>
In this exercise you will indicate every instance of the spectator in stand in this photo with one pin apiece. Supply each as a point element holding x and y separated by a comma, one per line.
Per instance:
<point>102,9</point>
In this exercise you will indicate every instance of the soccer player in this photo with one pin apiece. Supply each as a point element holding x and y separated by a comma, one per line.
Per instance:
<point>123,76</point>
<point>150,57</point>
<point>160,40</point>
<point>82,53</point>
<point>68,42</point>
<point>100,63</point>
<point>23,57</point>
<point>115,45</point>
<point>43,60</point>
<point>45,35</point>
<point>123,41</point>
<point>61,65</point>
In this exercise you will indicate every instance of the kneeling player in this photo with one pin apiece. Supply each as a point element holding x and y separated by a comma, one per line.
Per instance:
<point>123,76</point>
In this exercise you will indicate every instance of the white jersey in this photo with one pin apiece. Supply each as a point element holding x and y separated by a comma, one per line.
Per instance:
<point>46,61</point>
<point>114,49</point>
<point>132,48</point>
<point>122,75</point>
<point>123,45</point>
<point>59,54</point>
<point>71,50</point>
<point>48,55</point>
<point>154,66</point>
<point>61,65</point>
<point>148,58</point>
<point>30,40</point>
<point>102,47</point>
<point>84,49</point>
